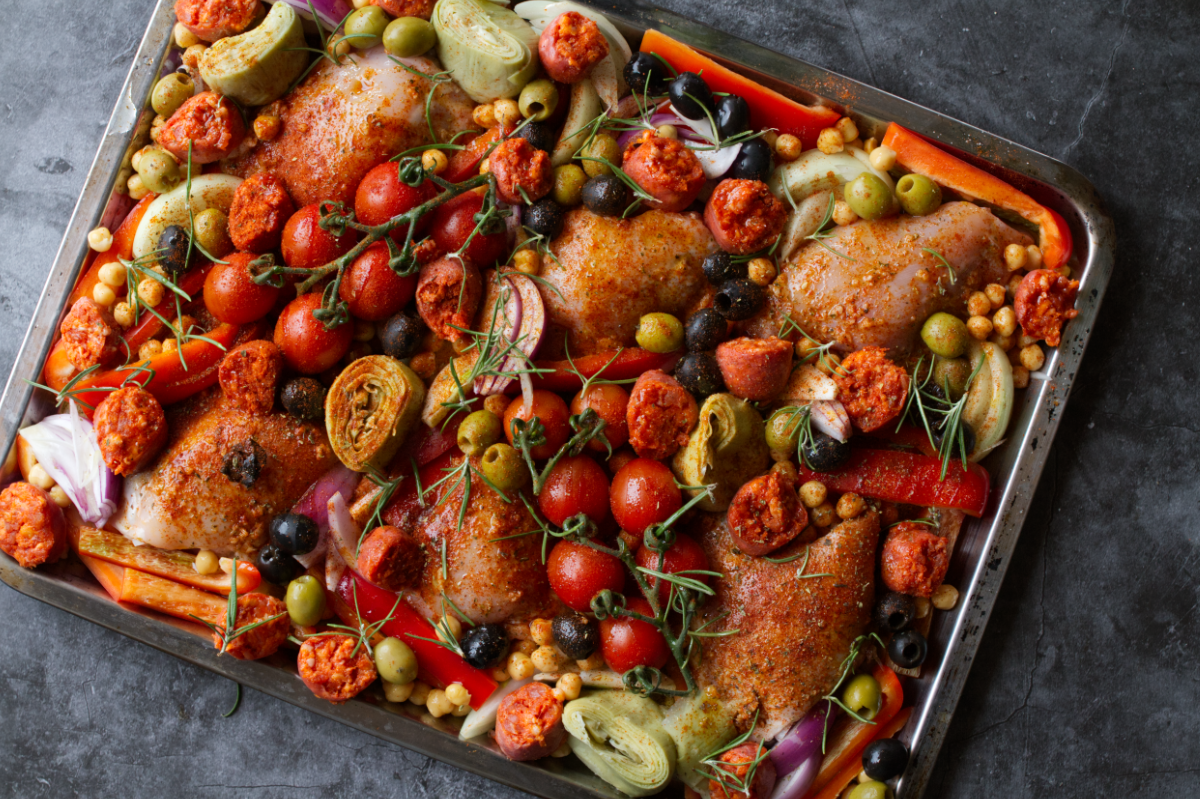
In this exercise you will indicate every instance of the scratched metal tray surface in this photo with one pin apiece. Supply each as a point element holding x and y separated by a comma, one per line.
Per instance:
<point>985,545</point>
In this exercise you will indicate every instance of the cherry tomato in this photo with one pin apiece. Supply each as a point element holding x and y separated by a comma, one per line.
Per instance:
<point>307,346</point>
<point>575,485</point>
<point>626,643</point>
<point>306,246</point>
<point>577,573</point>
<point>551,409</point>
<point>382,195</point>
<point>644,493</point>
<point>609,403</point>
<point>453,223</point>
<point>231,295</point>
<point>684,555</point>
<point>371,289</point>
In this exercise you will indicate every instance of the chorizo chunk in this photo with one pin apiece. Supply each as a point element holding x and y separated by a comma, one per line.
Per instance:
<point>249,375</point>
<point>736,762</point>
<point>570,46</point>
<point>766,513</point>
<point>260,208</point>
<point>744,216</point>
<point>518,168</point>
<point>211,20</point>
<point>212,124</point>
<point>407,8</point>
<point>33,529</point>
<point>660,415</point>
<point>131,429</point>
<point>448,295</point>
<point>1043,303</point>
<point>91,335</point>
<point>872,388</point>
<point>391,558</point>
<point>332,669</point>
<point>529,723</point>
<point>667,170</point>
<point>263,640</point>
<point>756,369</point>
<point>914,560</point>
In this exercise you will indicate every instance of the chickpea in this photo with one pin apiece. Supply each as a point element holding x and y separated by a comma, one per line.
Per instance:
<point>520,667</point>
<point>1015,257</point>
<point>788,147</point>
<point>450,624</point>
<point>457,694</point>
<point>507,112</point>
<point>822,515</point>
<point>1032,357</point>
<point>525,646</point>
<point>100,239</point>
<point>762,271</point>
<point>831,364</point>
<point>420,693</point>
<point>1003,342</point>
<point>593,662</point>
<point>559,696</point>
<point>484,115</point>
<point>150,292</point>
<point>184,37</point>
<point>59,497</point>
<point>191,56</point>
<point>923,606</point>
<point>1035,257</point>
<point>1024,340</point>
<point>137,189</point>
<point>39,477</point>
<point>1005,321</point>
<point>850,505</point>
<point>500,675</point>
<point>104,295</point>
<point>527,261</point>
<point>170,345</point>
<point>813,493</point>
<point>150,349</point>
<point>995,294</point>
<point>830,141</point>
<point>870,144</point>
<point>113,274</point>
<point>980,327</point>
<point>847,128</point>
<point>424,364</point>
<point>496,403</point>
<point>266,127</point>
<point>978,304</point>
<point>394,692</point>
<point>883,158</point>
<point>945,597</point>
<point>438,704</point>
<point>843,214</point>
<point>1020,377</point>
<point>124,314</point>
<point>770,136</point>
<point>666,132</point>
<point>206,562</point>
<point>460,711</point>
<point>542,632</point>
<point>786,468</point>
<point>434,161</point>
<point>570,685</point>
<point>545,659</point>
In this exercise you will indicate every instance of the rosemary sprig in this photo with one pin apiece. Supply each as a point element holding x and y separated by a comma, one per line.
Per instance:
<point>726,774</point>
<point>447,637</point>
<point>949,269</point>
<point>821,233</point>
<point>928,405</point>
<point>821,353</point>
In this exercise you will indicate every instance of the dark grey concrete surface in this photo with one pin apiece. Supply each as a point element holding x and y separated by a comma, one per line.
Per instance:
<point>1085,684</point>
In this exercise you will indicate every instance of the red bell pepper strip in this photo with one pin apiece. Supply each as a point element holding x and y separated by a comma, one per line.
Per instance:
<point>909,478</point>
<point>768,108</point>
<point>631,362</point>
<point>465,162</point>
<point>436,665</point>
<point>851,771</point>
<point>846,751</point>
<point>191,284</point>
<point>916,154</point>
<point>122,247</point>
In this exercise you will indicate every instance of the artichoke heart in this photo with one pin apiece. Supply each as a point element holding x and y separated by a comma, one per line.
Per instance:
<point>699,725</point>
<point>488,49</point>
<point>256,67</point>
<point>727,448</point>
<point>369,410</point>
<point>620,737</point>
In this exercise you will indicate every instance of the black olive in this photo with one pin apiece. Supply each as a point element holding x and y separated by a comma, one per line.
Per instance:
<point>698,373</point>
<point>914,413</point>
<point>908,649</point>
<point>719,267</point>
<point>826,453</point>
<point>753,161</point>
<point>884,759</point>
<point>645,74</point>
<point>606,195</point>
<point>484,645</point>
<point>277,566</point>
<point>540,136</point>
<point>544,217</point>
<point>968,437</point>
<point>733,115</point>
<point>894,612</point>
<point>705,329</point>
<point>304,398</point>
<point>739,299</point>
<point>691,96</point>
<point>401,336</point>
<point>244,462</point>
<point>294,533</point>
<point>173,250</point>
<point>576,635</point>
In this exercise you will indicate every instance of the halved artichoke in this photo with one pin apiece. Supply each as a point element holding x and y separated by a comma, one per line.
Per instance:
<point>256,67</point>
<point>727,448</point>
<point>489,49</point>
<point>370,409</point>
<point>620,737</point>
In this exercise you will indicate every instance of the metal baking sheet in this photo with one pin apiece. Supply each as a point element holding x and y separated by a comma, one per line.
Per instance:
<point>984,547</point>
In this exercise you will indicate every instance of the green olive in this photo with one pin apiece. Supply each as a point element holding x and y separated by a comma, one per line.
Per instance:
<point>479,431</point>
<point>406,37</point>
<point>659,332</point>
<point>171,92</point>
<point>603,146</point>
<point>953,372</point>
<point>868,196</point>
<point>568,185</point>
<point>364,28</point>
<point>783,431</point>
<point>395,661</point>
<point>305,600</point>
<point>212,232</point>
<point>159,171</point>
<point>918,195</point>
<point>945,335</point>
<point>538,100</point>
<point>870,790</point>
<point>503,467</point>
<point>863,696</point>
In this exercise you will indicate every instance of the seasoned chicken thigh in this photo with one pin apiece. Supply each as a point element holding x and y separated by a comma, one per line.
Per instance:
<point>885,283</point>
<point>343,120</point>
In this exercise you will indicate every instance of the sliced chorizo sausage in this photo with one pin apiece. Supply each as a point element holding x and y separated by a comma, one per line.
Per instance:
<point>448,295</point>
<point>391,558</point>
<point>766,513</point>
<point>215,19</point>
<point>263,640</point>
<point>660,415</point>
<point>33,529</point>
<point>737,764</point>
<point>407,8</point>
<point>744,216</point>
<point>249,374</point>
<point>1044,303</point>
<point>756,369</point>
<point>261,207</point>
<point>666,170</point>
<point>91,335</point>
<point>335,667</point>
<point>131,429</point>
<point>914,560</point>
<point>871,387</point>
<point>570,46</point>
<point>523,174</point>
<point>529,723</point>
<point>210,123</point>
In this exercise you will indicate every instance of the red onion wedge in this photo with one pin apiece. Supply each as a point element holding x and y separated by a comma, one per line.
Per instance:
<point>315,505</point>
<point>797,756</point>
<point>343,531</point>
<point>329,12</point>
<point>522,328</point>
<point>65,446</point>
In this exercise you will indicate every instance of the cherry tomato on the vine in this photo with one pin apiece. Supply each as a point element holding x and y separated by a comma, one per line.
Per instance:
<point>306,245</point>
<point>231,295</point>
<point>626,643</point>
<point>307,346</point>
<point>644,493</point>
<point>575,485</point>
<point>550,408</point>
<point>577,573</point>
<point>381,195</point>
<point>683,556</point>
<point>372,289</point>
<point>609,402</point>
<point>453,222</point>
